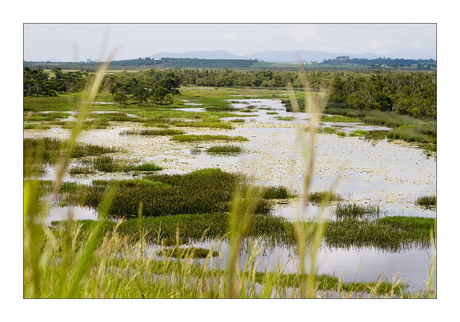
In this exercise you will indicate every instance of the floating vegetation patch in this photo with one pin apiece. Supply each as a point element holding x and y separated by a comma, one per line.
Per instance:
<point>207,137</point>
<point>426,201</point>
<point>354,210</point>
<point>323,197</point>
<point>272,113</point>
<point>225,149</point>
<point>152,132</point>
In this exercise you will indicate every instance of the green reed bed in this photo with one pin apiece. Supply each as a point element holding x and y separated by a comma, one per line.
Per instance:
<point>354,210</point>
<point>238,121</point>
<point>207,137</point>
<point>152,132</point>
<point>225,149</point>
<point>426,201</point>
<point>410,134</point>
<point>341,134</point>
<point>202,191</point>
<point>323,197</point>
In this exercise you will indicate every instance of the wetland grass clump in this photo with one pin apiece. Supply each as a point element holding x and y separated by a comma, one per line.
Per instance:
<point>279,192</point>
<point>238,121</point>
<point>225,149</point>
<point>207,137</point>
<point>354,210</point>
<point>341,134</point>
<point>198,192</point>
<point>272,113</point>
<point>426,201</point>
<point>323,197</point>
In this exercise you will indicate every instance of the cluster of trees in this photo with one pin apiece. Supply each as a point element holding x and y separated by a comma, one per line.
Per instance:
<point>160,87</point>
<point>38,82</point>
<point>390,62</point>
<point>399,92</point>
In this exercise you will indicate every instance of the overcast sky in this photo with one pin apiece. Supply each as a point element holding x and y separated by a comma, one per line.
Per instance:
<point>76,42</point>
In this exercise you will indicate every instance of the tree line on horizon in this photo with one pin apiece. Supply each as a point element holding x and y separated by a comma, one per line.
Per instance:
<point>412,93</point>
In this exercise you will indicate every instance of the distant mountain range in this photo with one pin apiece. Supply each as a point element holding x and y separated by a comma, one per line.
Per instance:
<point>304,55</point>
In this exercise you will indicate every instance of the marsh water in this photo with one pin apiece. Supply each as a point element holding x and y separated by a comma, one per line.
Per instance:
<point>379,173</point>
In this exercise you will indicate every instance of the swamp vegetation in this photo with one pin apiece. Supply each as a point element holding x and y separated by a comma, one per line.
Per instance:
<point>142,244</point>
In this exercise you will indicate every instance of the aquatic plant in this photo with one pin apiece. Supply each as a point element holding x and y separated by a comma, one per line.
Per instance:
<point>354,210</point>
<point>226,149</point>
<point>426,201</point>
<point>320,197</point>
